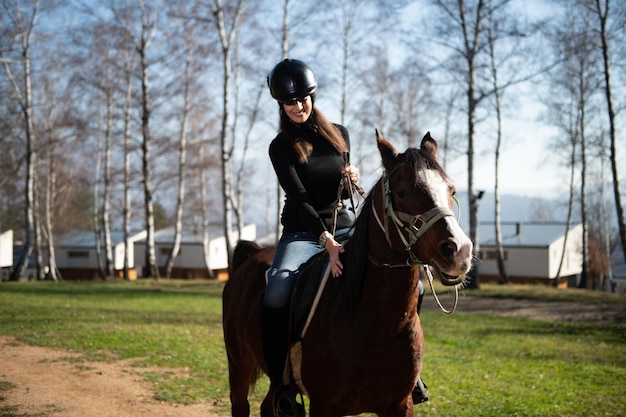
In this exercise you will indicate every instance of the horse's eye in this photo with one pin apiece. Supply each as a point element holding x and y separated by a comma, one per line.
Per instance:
<point>402,194</point>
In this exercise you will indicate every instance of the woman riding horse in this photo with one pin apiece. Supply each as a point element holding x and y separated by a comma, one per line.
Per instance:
<point>310,157</point>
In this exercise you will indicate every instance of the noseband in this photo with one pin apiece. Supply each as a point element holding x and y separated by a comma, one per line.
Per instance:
<point>415,226</point>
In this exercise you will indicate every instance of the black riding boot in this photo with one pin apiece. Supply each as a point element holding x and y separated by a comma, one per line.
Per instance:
<point>274,336</point>
<point>420,391</point>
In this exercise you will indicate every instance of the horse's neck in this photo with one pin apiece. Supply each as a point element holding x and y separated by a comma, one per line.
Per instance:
<point>391,287</point>
<point>390,297</point>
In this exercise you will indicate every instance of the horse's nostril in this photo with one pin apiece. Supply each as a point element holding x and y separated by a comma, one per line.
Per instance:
<point>448,249</point>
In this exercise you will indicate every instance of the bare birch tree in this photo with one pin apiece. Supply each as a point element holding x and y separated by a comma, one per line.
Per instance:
<point>188,35</point>
<point>461,31</point>
<point>284,53</point>
<point>48,210</point>
<point>96,44</point>
<point>142,43</point>
<point>577,78</point>
<point>97,228</point>
<point>204,211</point>
<point>129,71</point>
<point>53,121</point>
<point>24,22</point>
<point>227,31</point>
<point>602,9</point>
<point>504,277</point>
<point>109,94</point>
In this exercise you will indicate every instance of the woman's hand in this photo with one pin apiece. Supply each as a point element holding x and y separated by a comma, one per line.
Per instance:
<point>334,248</point>
<point>352,172</point>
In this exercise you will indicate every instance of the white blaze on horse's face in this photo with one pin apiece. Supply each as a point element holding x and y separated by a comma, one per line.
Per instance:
<point>438,187</point>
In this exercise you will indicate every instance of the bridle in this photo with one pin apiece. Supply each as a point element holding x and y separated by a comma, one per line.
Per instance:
<point>415,226</point>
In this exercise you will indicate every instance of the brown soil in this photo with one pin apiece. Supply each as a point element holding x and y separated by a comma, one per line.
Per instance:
<point>46,384</point>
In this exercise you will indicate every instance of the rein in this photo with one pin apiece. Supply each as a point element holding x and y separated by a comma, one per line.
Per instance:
<point>345,184</point>
<point>432,289</point>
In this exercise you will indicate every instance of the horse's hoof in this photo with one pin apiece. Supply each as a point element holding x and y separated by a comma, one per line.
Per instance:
<point>288,402</point>
<point>420,392</point>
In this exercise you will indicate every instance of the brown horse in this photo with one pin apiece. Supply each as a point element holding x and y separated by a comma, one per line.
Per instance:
<point>364,346</point>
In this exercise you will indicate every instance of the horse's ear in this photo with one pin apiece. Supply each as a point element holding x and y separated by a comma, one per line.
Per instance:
<point>429,145</point>
<point>386,149</point>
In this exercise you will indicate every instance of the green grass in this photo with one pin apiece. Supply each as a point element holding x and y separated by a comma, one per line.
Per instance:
<point>475,365</point>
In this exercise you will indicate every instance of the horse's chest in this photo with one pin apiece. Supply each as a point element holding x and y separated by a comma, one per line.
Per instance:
<point>369,370</point>
<point>371,354</point>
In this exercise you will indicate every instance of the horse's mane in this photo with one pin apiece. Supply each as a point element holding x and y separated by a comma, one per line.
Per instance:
<point>355,262</point>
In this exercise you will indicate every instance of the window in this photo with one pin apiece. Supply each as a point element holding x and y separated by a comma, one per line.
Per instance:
<point>78,254</point>
<point>493,254</point>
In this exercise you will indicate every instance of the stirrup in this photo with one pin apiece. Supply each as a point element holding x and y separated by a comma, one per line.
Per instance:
<point>288,402</point>
<point>420,392</point>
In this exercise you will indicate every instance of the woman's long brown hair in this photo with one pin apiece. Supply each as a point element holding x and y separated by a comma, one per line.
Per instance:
<point>303,147</point>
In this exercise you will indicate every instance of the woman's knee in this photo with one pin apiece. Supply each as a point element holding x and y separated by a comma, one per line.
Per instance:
<point>278,289</point>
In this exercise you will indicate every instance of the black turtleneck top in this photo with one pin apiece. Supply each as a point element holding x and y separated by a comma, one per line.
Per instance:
<point>310,188</point>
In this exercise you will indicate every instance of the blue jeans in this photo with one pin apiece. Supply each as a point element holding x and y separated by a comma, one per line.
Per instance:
<point>293,250</point>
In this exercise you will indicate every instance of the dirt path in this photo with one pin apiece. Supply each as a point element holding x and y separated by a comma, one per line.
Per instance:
<point>48,385</point>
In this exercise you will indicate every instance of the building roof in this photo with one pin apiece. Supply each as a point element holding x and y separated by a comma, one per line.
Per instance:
<point>187,236</point>
<point>87,238</point>
<point>190,237</point>
<point>522,234</point>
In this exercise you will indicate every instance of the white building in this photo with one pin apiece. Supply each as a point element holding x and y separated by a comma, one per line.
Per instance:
<point>532,252</point>
<point>76,254</point>
<point>190,262</point>
<point>6,254</point>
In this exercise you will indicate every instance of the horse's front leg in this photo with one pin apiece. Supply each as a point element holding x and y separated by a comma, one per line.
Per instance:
<point>267,406</point>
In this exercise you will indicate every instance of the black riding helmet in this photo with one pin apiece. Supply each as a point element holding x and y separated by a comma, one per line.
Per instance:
<point>291,79</point>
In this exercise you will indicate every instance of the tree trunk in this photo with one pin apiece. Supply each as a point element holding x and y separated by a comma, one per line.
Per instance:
<point>603,16</point>
<point>607,269</point>
<point>37,244</point>
<point>182,149</point>
<point>570,202</point>
<point>504,277</point>
<point>238,177</point>
<point>205,215</point>
<point>583,194</point>
<point>146,109</point>
<point>106,191</point>
<point>347,28</point>
<point>130,64</point>
<point>471,49</point>
<point>226,39</point>
<point>284,53</point>
<point>50,191</point>
<point>25,99</point>
<point>96,214</point>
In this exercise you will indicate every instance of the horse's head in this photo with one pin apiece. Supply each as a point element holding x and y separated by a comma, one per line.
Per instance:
<point>417,215</point>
